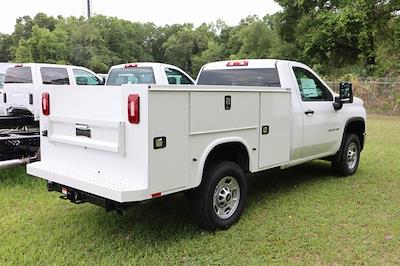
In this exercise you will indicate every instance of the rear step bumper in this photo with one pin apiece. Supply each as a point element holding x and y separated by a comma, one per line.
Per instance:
<point>94,185</point>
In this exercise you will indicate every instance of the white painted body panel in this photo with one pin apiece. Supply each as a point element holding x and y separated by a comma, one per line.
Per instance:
<point>120,163</point>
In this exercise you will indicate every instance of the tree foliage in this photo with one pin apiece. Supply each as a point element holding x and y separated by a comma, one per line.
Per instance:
<point>334,36</point>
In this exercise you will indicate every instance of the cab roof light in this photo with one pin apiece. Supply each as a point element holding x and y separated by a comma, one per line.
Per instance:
<point>237,63</point>
<point>18,65</point>
<point>131,65</point>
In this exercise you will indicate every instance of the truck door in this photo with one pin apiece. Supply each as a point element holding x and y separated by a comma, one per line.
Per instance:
<point>321,122</point>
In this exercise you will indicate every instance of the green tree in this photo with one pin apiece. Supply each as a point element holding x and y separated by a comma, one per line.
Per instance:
<point>335,33</point>
<point>43,46</point>
<point>188,43</point>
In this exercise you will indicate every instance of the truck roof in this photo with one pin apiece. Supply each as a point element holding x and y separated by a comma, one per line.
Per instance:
<point>46,65</point>
<point>143,64</point>
<point>242,63</point>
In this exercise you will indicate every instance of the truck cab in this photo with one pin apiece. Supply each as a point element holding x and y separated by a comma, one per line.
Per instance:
<point>316,126</point>
<point>147,73</point>
<point>23,81</point>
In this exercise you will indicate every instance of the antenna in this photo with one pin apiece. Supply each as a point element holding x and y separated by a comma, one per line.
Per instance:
<point>89,9</point>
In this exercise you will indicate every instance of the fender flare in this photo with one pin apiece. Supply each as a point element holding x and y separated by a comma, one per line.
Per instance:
<point>337,156</point>
<point>212,146</point>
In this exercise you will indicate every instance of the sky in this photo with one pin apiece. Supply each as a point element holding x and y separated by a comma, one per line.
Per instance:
<point>157,11</point>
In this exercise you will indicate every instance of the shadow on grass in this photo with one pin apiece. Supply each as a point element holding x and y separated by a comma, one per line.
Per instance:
<point>165,221</point>
<point>169,219</point>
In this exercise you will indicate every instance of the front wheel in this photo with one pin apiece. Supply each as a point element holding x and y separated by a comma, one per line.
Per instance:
<point>219,200</point>
<point>350,156</point>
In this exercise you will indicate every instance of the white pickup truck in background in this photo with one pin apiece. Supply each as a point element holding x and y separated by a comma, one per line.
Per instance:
<point>154,140</point>
<point>147,73</point>
<point>23,82</point>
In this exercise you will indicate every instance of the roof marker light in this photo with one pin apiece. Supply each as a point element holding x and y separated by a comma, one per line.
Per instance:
<point>131,65</point>
<point>237,63</point>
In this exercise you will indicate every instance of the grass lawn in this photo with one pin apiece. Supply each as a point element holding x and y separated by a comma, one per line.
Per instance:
<point>303,215</point>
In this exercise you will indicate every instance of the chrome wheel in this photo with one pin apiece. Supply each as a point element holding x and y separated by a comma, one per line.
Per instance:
<point>352,155</point>
<point>226,197</point>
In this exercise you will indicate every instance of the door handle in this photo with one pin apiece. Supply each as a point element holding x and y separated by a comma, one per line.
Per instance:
<point>309,112</point>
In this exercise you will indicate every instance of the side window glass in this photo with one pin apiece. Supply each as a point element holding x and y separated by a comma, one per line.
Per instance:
<point>176,77</point>
<point>54,76</point>
<point>1,81</point>
<point>83,77</point>
<point>311,88</point>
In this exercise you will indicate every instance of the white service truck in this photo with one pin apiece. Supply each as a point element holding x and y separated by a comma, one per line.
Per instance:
<point>243,117</point>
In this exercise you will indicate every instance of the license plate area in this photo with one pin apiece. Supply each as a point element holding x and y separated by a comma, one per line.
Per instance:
<point>83,131</point>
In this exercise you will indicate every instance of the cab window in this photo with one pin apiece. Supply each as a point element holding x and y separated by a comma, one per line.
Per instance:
<point>54,76</point>
<point>21,75</point>
<point>311,88</point>
<point>131,75</point>
<point>1,80</point>
<point>83,77</point>
<point>176,77</point>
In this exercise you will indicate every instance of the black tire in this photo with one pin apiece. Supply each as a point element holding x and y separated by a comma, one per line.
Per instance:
<point>203,197</point>
<point>343,167</point>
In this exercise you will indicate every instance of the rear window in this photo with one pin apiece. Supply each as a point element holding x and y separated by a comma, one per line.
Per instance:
<point>18,75</point>
<point>136,75</point>
<point>265,77</point>
<point>54,76</point>
<point>1,80</point>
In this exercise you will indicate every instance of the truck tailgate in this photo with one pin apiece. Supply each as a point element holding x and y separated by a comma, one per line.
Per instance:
<point>83,142</point>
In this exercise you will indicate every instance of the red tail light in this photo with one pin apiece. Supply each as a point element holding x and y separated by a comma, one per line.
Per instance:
<point>46,103</point>
<point>18,65</point>
<point>134,109</point>
<point>237,63</point>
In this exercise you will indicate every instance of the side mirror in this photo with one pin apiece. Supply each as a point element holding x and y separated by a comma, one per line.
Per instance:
<point>346,92</point>
<point>103,81</point>
<point>337,105</point>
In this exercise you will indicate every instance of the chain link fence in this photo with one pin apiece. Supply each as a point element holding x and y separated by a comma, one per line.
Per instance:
<point>379,96</point>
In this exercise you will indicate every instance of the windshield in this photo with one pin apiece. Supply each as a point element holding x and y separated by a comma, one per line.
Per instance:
<point>18,75</point>
<point>265,77</point>
<point>134,75</point>
<point>1,80</point>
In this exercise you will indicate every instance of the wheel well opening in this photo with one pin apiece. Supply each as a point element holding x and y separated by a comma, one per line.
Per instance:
<point>358,128</point>
<point>234,152</point>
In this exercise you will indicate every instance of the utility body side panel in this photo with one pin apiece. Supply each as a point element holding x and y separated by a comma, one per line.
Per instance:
<point>274,147</point>
<point>169,119</point>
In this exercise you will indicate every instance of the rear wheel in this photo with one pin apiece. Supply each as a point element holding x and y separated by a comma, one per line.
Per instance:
<point>219,200</point>
<point>350,156</point>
